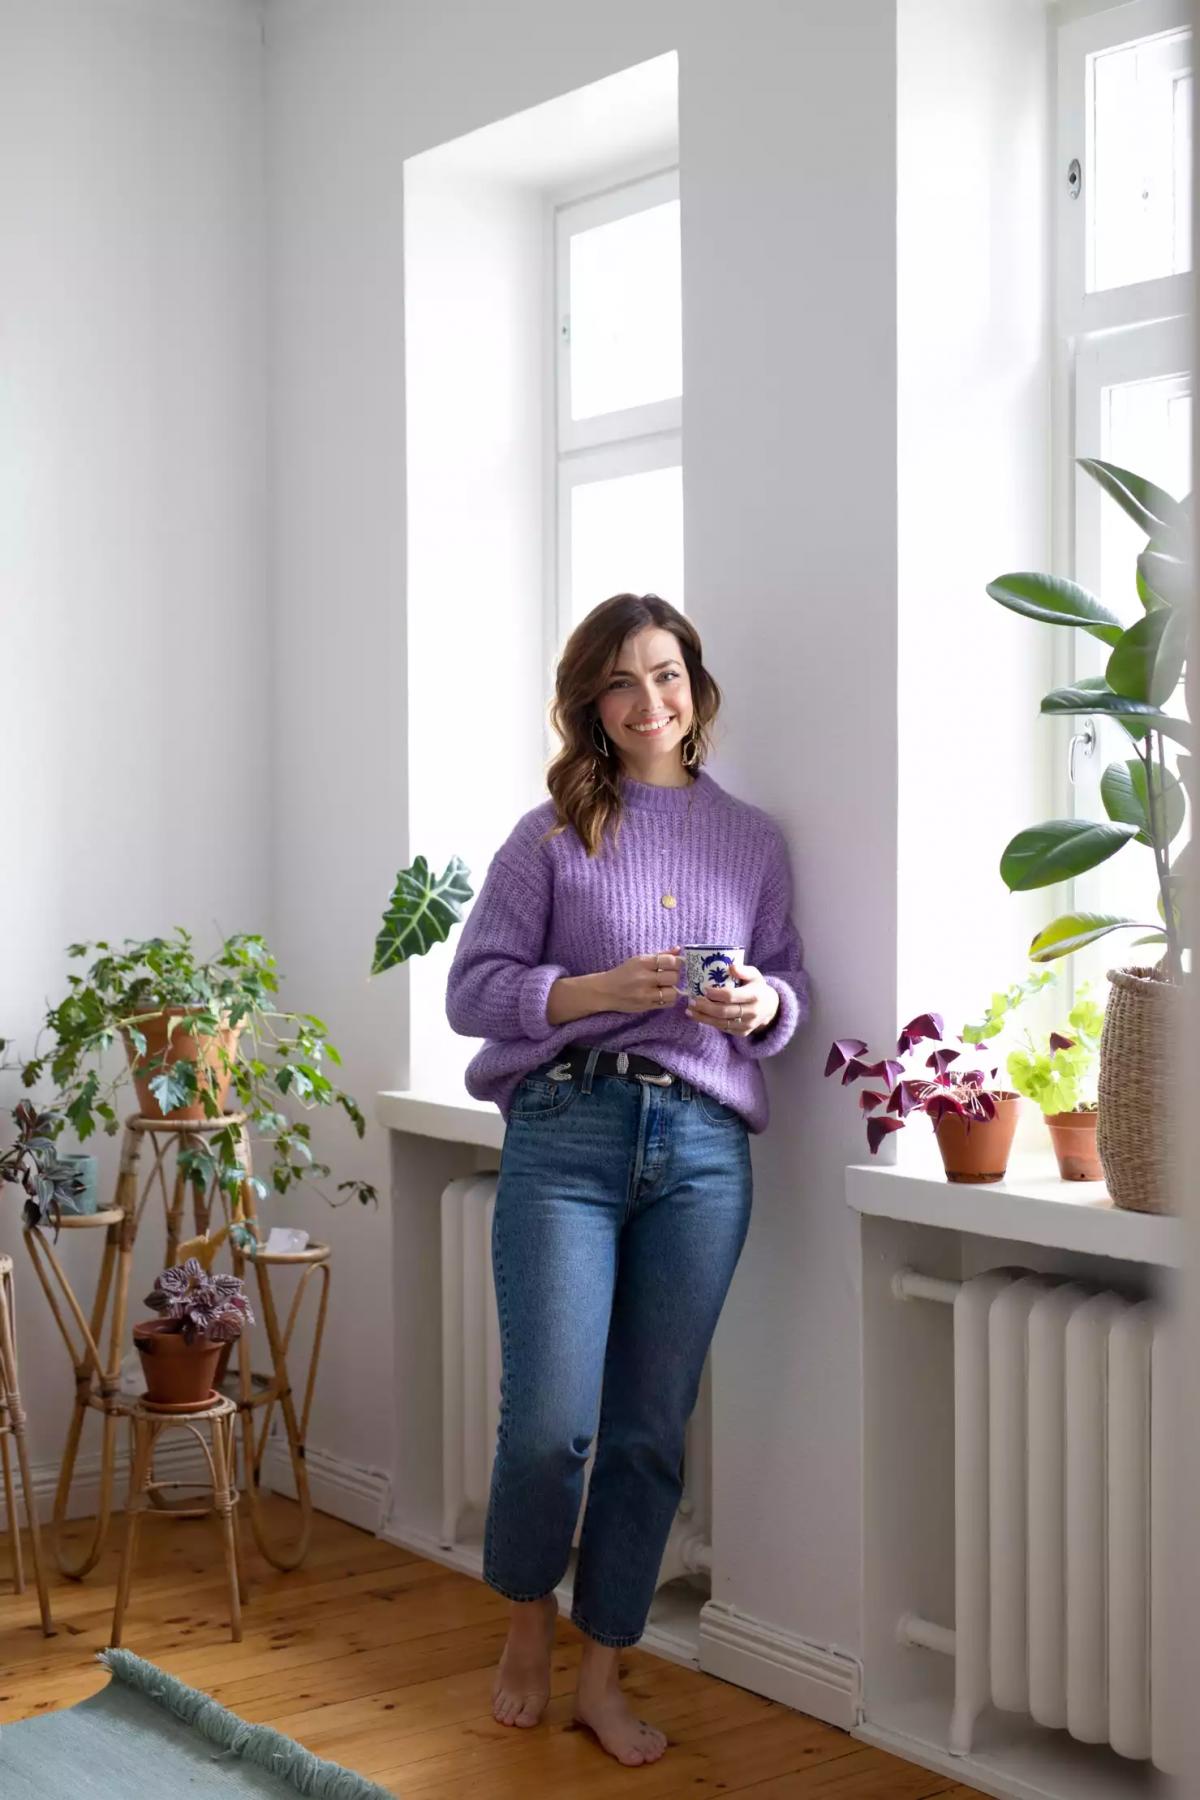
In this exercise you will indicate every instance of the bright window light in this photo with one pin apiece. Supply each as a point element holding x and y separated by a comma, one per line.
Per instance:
<point>627,537</point>
<point>626,337</point>
<point>1139,117</point>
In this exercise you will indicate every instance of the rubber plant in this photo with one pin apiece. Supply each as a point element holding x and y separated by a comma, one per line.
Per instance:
<point>1143,795</point>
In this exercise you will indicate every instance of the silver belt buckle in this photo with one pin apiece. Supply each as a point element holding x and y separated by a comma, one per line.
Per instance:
<point>663,1080</point>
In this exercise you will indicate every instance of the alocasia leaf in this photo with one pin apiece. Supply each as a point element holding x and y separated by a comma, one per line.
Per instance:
<point>421,912</point>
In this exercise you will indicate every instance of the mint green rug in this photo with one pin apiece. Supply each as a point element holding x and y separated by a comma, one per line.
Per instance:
<point>146,1733</point>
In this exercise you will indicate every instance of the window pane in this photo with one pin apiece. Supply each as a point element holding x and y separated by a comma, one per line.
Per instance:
<point>1145,427</point>
<point>1140,139</point>
<point>627,537</point>
<point>626,337</point>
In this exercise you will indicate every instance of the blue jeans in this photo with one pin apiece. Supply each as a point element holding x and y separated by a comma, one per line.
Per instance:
<point>621,1211</point>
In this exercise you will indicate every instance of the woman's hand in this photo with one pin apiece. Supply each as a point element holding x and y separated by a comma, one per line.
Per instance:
<point>737,1011</point>
<point>642,983</point>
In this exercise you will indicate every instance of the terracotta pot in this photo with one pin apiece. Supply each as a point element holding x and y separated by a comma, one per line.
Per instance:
<point>1073,1135</point>
<point>204,1051</point>
<point>177,1373</point>
<point>977,1149</point>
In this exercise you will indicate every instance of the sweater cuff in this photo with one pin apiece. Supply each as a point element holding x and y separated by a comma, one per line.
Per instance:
<point>531,1005</point>
<point>780,1030</point>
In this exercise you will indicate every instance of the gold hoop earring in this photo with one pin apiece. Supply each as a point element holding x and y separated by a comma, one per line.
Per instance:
<point>691,749</point>
<point>603,747</point>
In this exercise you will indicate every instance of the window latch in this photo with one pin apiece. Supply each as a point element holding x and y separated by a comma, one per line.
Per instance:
<point>1086,737</point>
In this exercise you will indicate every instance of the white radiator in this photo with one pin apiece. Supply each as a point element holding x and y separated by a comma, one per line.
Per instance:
<point>471,1388</point>
<point>1059,1497</point>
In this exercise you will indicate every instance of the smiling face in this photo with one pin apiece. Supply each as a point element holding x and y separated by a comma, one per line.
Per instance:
<point>646,706</point>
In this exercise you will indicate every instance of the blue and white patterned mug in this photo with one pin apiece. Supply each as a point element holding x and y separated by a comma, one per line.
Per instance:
<point>708,965</point>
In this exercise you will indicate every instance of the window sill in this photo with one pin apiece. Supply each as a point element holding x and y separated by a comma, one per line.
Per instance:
<point>1031,1206</point>
<point>460,1120</point>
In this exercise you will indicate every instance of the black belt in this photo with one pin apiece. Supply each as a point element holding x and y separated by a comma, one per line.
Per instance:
<point>612,1062</point>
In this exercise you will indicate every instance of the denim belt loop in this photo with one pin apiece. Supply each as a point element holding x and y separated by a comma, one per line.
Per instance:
<point>589,1070</point>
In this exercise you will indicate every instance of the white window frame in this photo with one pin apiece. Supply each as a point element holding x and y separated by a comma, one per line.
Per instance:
<point>1108,309</point>
<point>631,441</point>
<point>1140,332</point>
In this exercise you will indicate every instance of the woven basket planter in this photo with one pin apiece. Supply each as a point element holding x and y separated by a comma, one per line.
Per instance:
<point>1138,1053</point>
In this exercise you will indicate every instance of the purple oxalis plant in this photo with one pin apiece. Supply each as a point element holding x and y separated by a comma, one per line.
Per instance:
<point>895,1092</point>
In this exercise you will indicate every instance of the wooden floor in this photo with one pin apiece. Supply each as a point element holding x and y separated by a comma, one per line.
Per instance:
<point>379,1660</point>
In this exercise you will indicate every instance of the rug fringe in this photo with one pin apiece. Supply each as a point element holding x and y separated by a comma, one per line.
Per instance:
<point>258,1744</point>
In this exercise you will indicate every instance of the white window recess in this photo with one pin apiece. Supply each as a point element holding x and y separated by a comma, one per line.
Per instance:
<point>617,450</point>
<point>1124,293</point>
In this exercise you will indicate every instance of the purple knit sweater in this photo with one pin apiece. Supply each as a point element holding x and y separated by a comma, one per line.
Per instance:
<point>547,909</point>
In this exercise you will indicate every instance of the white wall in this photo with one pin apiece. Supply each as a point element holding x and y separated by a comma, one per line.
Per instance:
<point>135,705</point>
<point>788,193</point>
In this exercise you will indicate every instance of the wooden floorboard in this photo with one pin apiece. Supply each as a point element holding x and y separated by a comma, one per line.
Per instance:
<point>379,1660</point>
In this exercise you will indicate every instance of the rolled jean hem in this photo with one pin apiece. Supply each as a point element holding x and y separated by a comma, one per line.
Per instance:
<point>612,1640</point>
<point>508,1593</point>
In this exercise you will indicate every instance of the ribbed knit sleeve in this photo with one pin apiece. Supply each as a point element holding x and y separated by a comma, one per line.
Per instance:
<point>776,950</point>
<point>498,983</point>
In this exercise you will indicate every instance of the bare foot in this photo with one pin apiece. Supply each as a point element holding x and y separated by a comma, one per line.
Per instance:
<point>522,1685</point>
<point>603,1708</point>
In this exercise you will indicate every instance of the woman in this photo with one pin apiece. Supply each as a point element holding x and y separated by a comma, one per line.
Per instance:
<point>624,1190</point>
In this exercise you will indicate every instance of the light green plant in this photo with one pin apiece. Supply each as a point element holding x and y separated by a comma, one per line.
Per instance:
<point>1059,1073</point>
<point>1007,1000</point>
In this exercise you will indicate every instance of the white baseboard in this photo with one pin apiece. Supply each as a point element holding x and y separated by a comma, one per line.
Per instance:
<point>175,1459</point>
<point>358,1495</point>
<point>825,1684</point>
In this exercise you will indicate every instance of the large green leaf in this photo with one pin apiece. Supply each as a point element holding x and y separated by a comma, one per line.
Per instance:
<point>1059,849</point>
<point>1056,602</point>
<point>1137,716</point>
<point>1072,931</point>
<point>1148,661</point>
<point>1123,790</point>
<point>1151,508</point>
<point>421,912</point>
<point>1162,579</point>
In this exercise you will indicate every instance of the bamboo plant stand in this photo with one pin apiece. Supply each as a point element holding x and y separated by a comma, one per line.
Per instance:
<point>148,1423</point>
<point>96,1342</point>
<point>12,1431</point>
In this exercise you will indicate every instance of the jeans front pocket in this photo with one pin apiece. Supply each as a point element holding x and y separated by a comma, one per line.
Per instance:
<point>716,1111</point>
<point>536,1098</point>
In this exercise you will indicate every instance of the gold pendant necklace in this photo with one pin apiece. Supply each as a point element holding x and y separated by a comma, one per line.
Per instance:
<point>668,899</point>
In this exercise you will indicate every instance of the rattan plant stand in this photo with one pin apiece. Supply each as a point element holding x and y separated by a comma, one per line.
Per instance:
<point>97,1341</point>
<point>12,1431</point>
<point>148,1423</point>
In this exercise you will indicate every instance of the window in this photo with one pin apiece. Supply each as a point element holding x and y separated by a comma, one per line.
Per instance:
<point>1124,361</point>
<point>619,381</point>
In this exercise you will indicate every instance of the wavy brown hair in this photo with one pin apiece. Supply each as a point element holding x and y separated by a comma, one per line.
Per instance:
<point>583,784</point>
